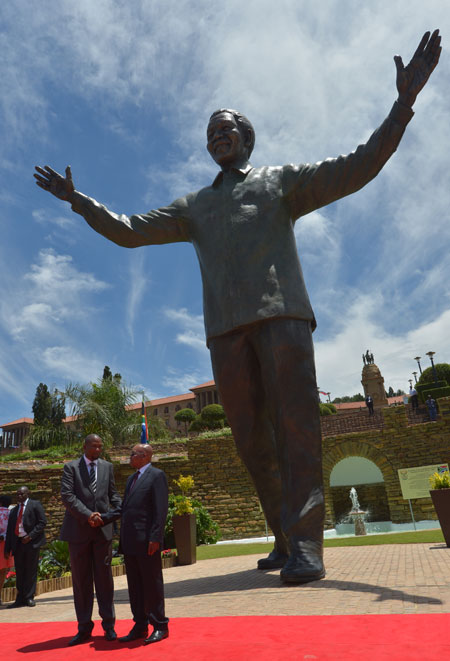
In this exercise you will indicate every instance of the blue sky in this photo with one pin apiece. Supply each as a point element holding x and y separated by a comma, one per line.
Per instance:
<point>122,92</point>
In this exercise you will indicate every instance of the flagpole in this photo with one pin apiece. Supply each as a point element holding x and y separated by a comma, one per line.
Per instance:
<point>144,425</point>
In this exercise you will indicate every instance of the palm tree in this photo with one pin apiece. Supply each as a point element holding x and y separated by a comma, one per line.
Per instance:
<point>101,408</point>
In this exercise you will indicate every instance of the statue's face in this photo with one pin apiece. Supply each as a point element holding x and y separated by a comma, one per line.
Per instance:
<point>225,141</point>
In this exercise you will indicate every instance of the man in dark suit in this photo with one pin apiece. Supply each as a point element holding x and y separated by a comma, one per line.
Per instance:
<point>144,513</point>
<point>88,487</point>
<point>24,537</point>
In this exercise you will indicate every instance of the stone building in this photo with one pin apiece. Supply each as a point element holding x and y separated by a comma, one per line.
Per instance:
<point>14,433</point>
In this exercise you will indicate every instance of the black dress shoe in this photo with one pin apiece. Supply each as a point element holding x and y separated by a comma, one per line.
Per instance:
<point>30,602</point>
<point>81,637</point>
<point>134,634</point>
<point>275,560</point>
<point>110,634</point>
<point>16,604</point>
<point>157,635</point>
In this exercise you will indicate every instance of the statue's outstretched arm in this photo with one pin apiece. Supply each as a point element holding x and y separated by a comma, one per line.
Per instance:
<point>412,78</point>
<point>53,182</point>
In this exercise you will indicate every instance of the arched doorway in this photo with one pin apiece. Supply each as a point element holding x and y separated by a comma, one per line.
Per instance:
<point>368,480</point>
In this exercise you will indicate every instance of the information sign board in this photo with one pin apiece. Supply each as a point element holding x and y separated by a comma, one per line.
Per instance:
<point>415,482</point>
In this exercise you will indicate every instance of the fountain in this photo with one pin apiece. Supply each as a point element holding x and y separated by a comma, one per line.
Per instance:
<point>357,513</point>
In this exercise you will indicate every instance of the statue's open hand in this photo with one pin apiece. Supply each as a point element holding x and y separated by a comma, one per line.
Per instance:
<point>412,78</point>
<point>55,183</point>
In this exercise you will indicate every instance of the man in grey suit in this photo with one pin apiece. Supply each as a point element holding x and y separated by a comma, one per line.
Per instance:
<point>88,487</point>
<point>144,513</point>
<point>24,538</point>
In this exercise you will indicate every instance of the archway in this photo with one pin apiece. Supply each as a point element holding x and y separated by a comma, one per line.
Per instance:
<point>335,451</point>
<point>367,478</point>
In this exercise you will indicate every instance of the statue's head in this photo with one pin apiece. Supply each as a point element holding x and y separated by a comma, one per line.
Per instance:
<point>230,137</point>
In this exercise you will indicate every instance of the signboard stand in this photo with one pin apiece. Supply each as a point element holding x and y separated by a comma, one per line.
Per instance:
<point>412,515</point>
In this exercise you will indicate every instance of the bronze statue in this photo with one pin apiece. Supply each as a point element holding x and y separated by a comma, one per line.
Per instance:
<point>258,317</point>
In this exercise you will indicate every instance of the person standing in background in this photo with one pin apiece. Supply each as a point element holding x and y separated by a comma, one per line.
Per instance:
<point>24,538</point>
<point>5,562</point>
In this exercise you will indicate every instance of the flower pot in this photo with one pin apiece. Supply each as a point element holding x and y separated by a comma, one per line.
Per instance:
<point>185,531</point>
<point>168,561</point>
<point>441,502</point>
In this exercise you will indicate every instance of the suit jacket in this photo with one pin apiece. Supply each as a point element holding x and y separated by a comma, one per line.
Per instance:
<point>34,522</point>
<point>143,511</point>
<point>80,500</point>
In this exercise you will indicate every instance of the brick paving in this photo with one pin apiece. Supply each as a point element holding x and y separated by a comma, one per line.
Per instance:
<point>403,578</point>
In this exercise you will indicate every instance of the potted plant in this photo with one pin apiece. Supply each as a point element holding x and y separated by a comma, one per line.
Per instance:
<point>168,558</point>
<point>440,495</point>
<point>184,523</point>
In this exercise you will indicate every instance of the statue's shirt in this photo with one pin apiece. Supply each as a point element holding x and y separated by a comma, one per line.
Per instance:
<point>242,228</point>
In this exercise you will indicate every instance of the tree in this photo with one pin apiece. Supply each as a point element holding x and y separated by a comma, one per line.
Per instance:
<point>442,373</point>
<point>49,412</point>
<point>101,409</point>
<point>48,408</point>
<point>355,398</point>
<point>198,424</point>
<point>213,416</point>
<point>58,413</point>
<point>185,415</point>
<point>42,405</point>
<point>157,429</point>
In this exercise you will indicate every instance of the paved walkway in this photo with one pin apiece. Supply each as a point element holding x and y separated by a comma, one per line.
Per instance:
<point>403,578</point>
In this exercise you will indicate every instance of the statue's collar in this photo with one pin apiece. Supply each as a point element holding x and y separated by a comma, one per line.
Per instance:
<point>242,171</point>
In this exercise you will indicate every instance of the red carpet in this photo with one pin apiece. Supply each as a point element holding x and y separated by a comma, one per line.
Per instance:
<point>347,638</point>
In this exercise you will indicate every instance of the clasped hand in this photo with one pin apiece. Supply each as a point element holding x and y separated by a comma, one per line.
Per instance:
<point>95,520</point>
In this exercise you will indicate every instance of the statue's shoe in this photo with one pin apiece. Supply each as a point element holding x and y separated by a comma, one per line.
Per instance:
<point>305,564</point>
<point>275,560</point>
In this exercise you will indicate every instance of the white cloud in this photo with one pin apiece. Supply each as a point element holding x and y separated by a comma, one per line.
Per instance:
<point>192,336</point>
<point>314,78</point>
<point>71,364</point>
<point>339,358</point>
<point>193,333</point>
<point>52,292</point>
<point>45,217</point>
<point>136,291</point>
<point>181,382</point>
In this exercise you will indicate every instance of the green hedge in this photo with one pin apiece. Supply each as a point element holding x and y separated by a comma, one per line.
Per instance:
<point>444,391</point>
<point>421,388</point>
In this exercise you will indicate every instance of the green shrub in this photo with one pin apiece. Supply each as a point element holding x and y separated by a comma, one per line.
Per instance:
<point>198,424</point>
<point>436,393</point>
<point>324,409</point>
<point>208,531</point>
<point>54,561</point>
<point>421,387</point>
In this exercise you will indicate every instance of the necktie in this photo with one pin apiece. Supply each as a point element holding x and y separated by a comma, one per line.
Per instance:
<point>19,520</point>
<point>133,481</point>
<point>92,478</point>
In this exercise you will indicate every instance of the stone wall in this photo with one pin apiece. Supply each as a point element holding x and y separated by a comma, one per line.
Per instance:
<point>397,445</point>
<point>224,486</point>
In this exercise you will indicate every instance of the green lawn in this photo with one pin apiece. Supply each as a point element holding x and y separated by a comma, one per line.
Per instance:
<point>414,537</point>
